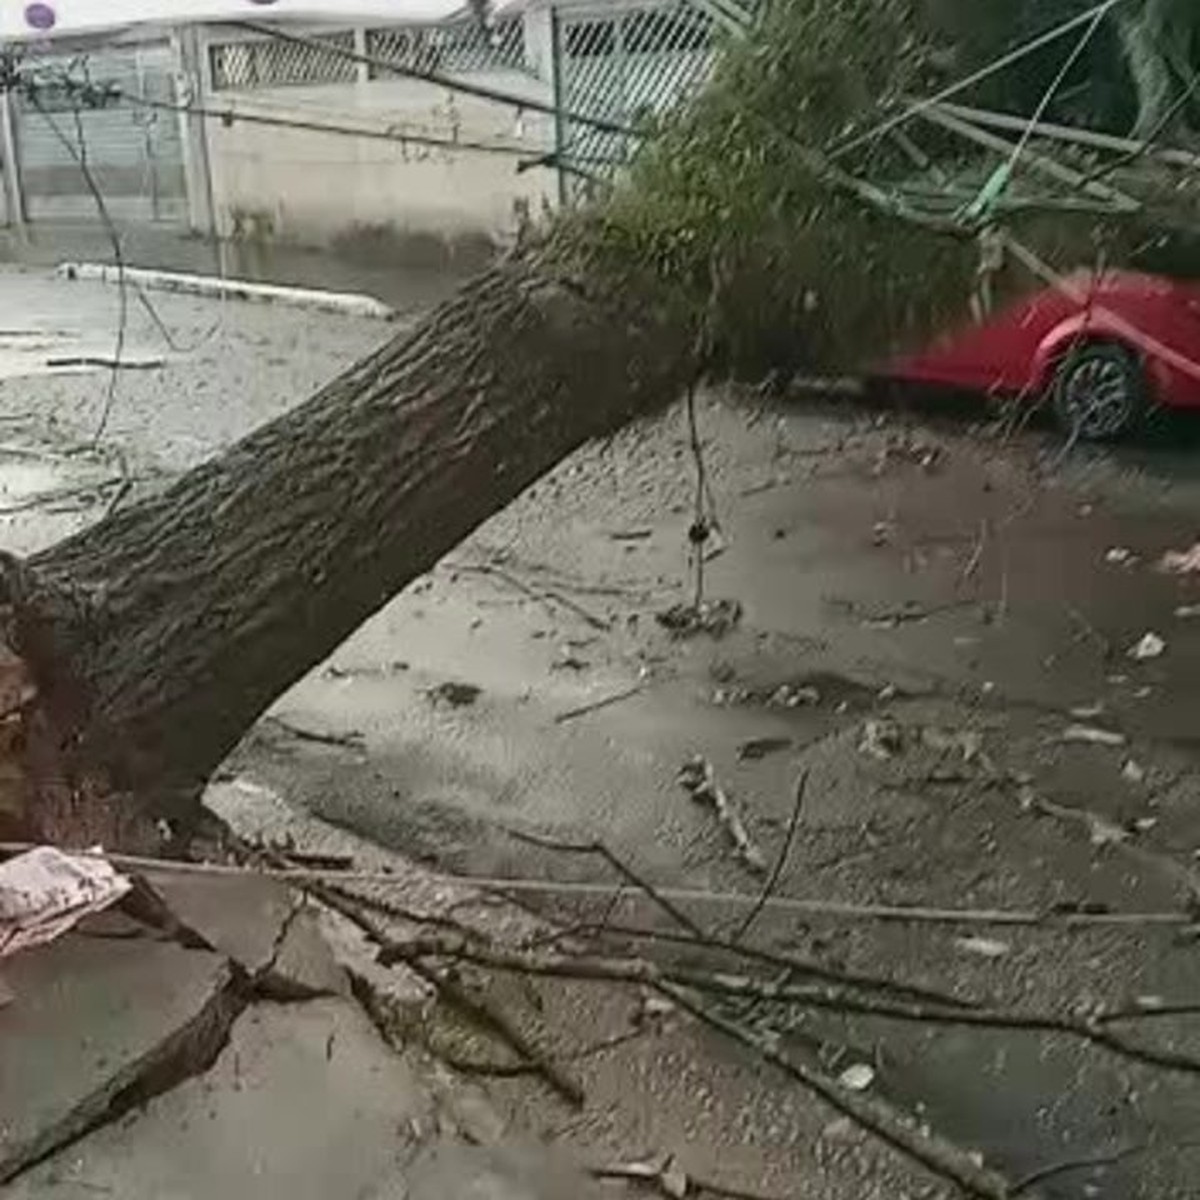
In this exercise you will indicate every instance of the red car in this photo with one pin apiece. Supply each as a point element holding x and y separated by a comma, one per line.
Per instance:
<point>1102,349</point>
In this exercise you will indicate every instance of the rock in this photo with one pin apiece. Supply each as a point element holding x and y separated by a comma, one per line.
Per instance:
<point>305,1102</point>
<point>91,1021</point>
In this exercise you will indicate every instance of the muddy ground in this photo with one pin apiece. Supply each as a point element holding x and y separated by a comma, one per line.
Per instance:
<point>935,636</point>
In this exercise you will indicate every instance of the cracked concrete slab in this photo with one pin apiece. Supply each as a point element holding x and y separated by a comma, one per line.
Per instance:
<point>96,1025</point>
<point>243,917</point>
<point>304,1102</point>
<point>304,966</point>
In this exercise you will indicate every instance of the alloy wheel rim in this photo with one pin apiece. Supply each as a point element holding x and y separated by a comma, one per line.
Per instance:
<point>1097,397</point>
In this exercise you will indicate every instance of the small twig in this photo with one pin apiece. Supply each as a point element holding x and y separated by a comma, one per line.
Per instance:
<point>621,867</point>
<point>872,1113</point>
<point>112,364</point>
<point>604,702</point>
<point>488,1070</point>
<point>696,1186</point>
<point>699,780</point>
<point>1120,843</point>
<point>780,861</point>
<point>351,741</point>
<point>972,564</point>
<point>1067,1166</point>
<point>542,595</point>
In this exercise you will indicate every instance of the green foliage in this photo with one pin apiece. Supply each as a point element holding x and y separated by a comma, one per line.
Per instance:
<point>734,206</point>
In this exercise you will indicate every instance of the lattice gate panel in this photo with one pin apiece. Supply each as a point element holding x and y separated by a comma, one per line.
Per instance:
<point>627,66</point>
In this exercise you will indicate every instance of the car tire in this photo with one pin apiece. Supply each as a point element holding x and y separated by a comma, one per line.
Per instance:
<point>1099,392</point>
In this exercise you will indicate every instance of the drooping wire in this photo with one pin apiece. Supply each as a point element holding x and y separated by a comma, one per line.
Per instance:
<point>97,95</point>
<point>78,151</point>
<point>887,124</point>
<point>704,515</point>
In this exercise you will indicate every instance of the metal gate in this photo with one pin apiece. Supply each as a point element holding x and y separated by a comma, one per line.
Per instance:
<point>133,153</point>
<point>628,64</point>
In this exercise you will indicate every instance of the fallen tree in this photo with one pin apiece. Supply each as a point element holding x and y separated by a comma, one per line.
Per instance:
<point>158,636</point>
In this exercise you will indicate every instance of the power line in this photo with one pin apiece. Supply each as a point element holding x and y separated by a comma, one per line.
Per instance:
<point>1095,13</point>
<point>436,77</point>
<point>79,155</point>
<point>99,95</point>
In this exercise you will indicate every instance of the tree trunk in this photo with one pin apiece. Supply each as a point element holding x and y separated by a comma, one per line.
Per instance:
<point>1157,40</point>
<point>159,635</point>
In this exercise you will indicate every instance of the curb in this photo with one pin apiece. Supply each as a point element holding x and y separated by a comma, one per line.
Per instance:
<point>351,304</point>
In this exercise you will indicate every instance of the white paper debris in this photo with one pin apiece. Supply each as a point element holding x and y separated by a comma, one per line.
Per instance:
<point>881,739</point>
<point>1149,646</point>
<point>1133,771</point>
<point>1092,735</point>
<point>1185,612</point>
<point>857,1078</point>
<point>44,892</point>
<point>1104,833</point>
<point>674,1181</point>
<point>1119,556</point>
<point>984,947</point>
<point>1181,562</point>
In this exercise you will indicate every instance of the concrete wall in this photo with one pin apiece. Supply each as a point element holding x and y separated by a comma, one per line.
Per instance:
<point>373,197</point>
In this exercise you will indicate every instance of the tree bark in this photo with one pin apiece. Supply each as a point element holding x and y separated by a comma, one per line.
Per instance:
<point>1158,41</point>
<point>159,635</point>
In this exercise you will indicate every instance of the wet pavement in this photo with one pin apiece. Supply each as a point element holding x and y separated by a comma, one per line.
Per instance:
<point>936,635</point>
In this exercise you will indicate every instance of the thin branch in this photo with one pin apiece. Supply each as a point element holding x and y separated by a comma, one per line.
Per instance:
<point>872,1113</point>
<point>492,1018</point>
<point>1097,827</point>
<point>604,702</point>
<point>644,973</point>
<point>478,1009</point>
<point>792,963</point>
<point>780,862</point>
<point>543,595</point>
<point>621,867</point>
<point>1089,1162</point>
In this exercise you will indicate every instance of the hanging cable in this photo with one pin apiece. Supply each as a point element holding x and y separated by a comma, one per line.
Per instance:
<point>79,154</point>
<point>855,141</point>
<point>101,95</point>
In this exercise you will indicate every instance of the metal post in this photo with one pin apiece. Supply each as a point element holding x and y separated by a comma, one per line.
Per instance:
<point>363,68</point>
<point>14,192</point>
<point>190,92</point>
<point>561,135</point>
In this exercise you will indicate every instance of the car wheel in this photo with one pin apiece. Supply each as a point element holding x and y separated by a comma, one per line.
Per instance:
<point>1099,392</point>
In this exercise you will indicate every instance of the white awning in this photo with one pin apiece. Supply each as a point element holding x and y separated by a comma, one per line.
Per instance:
<point>42,19</point>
